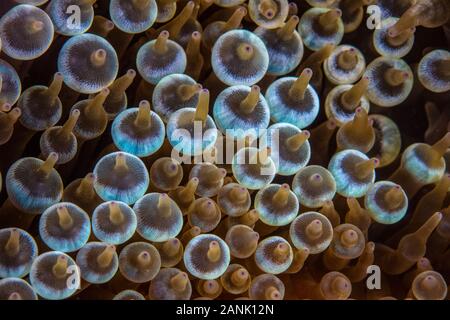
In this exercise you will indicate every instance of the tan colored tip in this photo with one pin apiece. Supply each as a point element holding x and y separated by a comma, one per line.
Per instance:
<point>359,129</point>
<point>95,105</point>
<point>329,211</point>
<point>366,167</point>
<point>190,188</point>
<point>394,197</point>
<point>65,220</point>
<point>121,162</point>
<point>400,39</point>
<point>86,185</point>
<point>214,252</point>
<point>424,264</point>
<point>329,20</point>
<point>193,47</point>
<point>395,77</point>
<point>235,20</point>
<point>12,247</point>
<point>300,256</point>
<point>349,238</point>
<point>175,25</point>
<point>120,85</point>
<point>49,164</point>
<point>360,122</point>
<point>353,204</point>
<point>143,117</point>
<point>281,197</point>
<point>170,168</point>
<point>238,194</point>
<point>272,293</point>
<point>249,218</point>
<point>179,282</point>
<point>171,247</point>
<point>239,277</point>
<point>316,179</point>
<point>440,147</point>
<point>211,287</point>
<point>295,142</point>
<point>144,259</point>
<point>59,269</point>
<point>160,45</point>
<point>340,286</point>
<point>314,229</point>
<point>35,26</point>
<point>101,26</point>
<point>69,125</point>
<point>408,20</point>
<point>245,51</point>
<point>55,86</point>
<point>424,232</point>
<point>105,258</point>
<point>131,73</point>
<point>98,58</point>
<point>286,32</point>
<point>351,99</point>
<point>316,58</point>
<point>370,247</point>
<point>115,213</point>
<point>281,251</point>
<point>202,109</point>
<point>187,91</point>
<point>189,234</point>
<point>164,205</point>
<point>254,237</point>
<point>196,35</point>
<point>194,231</point>
<point>251,101</point>
<point>263,156</point>
<point>348,59</point>
<point>298,88</point>
<point>328,205</point>
<point>268,8</point>
<point>430,283</point>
